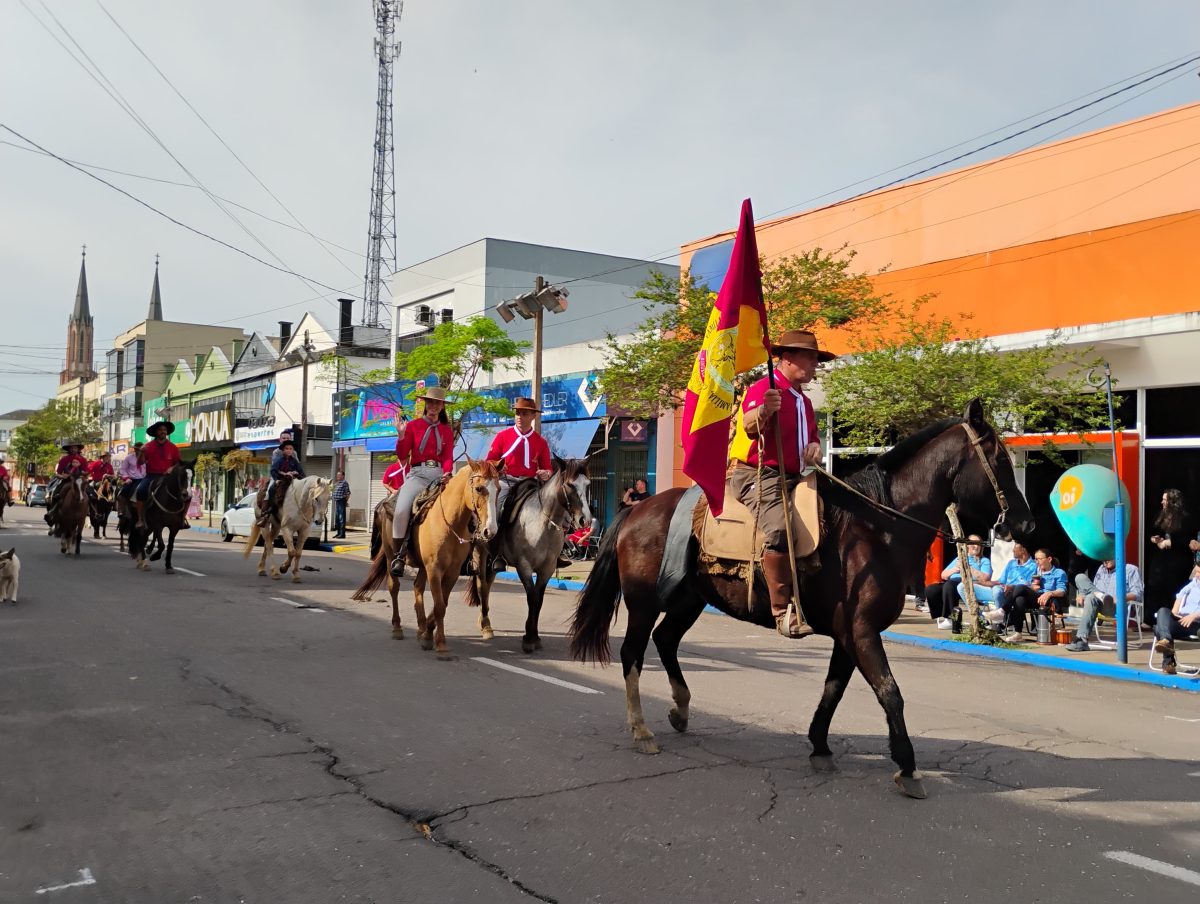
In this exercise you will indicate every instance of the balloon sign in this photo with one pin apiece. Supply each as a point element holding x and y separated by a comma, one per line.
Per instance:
<point>1083,500</point>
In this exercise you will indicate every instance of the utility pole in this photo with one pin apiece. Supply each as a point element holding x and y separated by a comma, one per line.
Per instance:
<point>538,285</point>
<point>307,349</point>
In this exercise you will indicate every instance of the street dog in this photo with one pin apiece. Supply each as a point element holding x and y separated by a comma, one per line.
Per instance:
<point>10,573</point>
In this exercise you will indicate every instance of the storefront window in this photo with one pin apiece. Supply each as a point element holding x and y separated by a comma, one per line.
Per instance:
<point>1171,413</point>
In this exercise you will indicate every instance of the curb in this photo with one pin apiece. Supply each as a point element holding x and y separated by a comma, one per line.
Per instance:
<point>344,547</point>
<point>206,530</point>
<point>1041,660</point>
<point>555,583</point>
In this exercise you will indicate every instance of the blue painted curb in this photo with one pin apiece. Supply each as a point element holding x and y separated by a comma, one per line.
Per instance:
<point>1040,660</point>
<point>206,530</point>
<point>555,583</point>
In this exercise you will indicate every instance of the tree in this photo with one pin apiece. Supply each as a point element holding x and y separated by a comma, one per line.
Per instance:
<point>207,469</point>
<point>237,461</point>
<point>458,353</point>
<point>39,440</point>
<point>918,368</point>
<point>646,372</point>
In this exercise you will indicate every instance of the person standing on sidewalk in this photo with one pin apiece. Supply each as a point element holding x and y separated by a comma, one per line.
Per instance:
<point>341,498</point>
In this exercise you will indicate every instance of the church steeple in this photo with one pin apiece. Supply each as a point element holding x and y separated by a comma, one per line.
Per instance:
<point>79,333</point>
<point>155,312</point>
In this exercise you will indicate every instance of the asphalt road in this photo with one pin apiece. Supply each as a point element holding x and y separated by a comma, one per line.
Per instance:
<point>198,737</point>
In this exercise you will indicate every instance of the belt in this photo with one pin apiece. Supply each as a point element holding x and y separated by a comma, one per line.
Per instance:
<point>431,463</point>
<point>738,463</point>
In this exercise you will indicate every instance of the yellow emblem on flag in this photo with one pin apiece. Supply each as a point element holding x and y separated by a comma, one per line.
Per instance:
<point>713,372</point>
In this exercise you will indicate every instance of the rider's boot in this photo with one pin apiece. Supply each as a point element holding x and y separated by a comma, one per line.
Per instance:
<point>396,568</point>
<point>139,506</point>
<point>789,621</point>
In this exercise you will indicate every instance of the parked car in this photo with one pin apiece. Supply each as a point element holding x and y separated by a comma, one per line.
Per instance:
<point>239,519</point>
<point>37,496</point>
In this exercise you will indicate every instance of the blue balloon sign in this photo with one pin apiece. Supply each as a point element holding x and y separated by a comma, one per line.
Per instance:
<point>1083,499</point>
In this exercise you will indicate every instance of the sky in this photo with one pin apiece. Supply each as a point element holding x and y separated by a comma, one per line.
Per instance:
<point>623,128</point>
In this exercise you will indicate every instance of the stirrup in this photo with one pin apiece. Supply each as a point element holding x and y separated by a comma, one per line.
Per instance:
<point>396,569</point>
<point>792,625</point>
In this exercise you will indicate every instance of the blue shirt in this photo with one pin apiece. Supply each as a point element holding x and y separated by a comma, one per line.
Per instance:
<point>1190,595</point>
<point>1015,573</point>
<point>1054,579</point>
<point>1105,581</point>
<point>983,565</point>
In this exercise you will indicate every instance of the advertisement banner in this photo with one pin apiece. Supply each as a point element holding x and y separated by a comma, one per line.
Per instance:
<point>369,412</point>
<point>212,423</point>
<point>156,410</point>
<point>569,397</point>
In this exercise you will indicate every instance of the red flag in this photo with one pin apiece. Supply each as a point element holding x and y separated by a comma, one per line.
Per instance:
<point>735,341</point>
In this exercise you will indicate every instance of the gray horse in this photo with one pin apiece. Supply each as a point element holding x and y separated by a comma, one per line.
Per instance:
<point>532,529</point>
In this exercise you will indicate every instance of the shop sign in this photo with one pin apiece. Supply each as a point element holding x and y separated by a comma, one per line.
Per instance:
<point>158,409</point>
<point>212,422</point>
<point>634,431</point>
<point>566,398</point>
<point>256,433</point>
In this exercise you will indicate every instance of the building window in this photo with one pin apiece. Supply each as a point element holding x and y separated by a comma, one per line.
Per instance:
<point>113,384</point>
<point>135,353</point>
<point>1171,412</point>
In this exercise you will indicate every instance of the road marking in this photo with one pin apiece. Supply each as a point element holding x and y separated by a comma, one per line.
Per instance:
<point>189,571</point>
<point>1194,775</point>
<point>528,674</point>
<point>1155,866</point>
<point>85,878</point>
<point>296,605</point>
<point>1181,719</point>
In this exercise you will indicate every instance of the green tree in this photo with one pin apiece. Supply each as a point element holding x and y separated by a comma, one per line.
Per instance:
<point>39,440</point>
<point>208,471</point>
<point>918,368</point>
<point>647,372</point>
<point>459,353</point>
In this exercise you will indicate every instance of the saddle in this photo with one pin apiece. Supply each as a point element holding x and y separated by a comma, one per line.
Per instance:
<point>734,536</point>
<point>279,489</point>
<point>516,498</point>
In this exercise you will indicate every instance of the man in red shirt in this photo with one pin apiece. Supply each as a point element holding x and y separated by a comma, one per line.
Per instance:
<point>785,411</point>
<point>5,480</point>
<point>68,466</point>
<point>101,467</point>
<point>159,456</point>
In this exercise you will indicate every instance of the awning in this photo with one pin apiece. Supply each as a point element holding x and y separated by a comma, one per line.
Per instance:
<point>260,444</point>
<point>370,443</point>
<point>570,439</point>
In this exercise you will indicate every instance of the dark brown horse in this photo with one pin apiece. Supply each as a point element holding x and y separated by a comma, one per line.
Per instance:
<point>867,558</point>
<point>71,514</point>
<point>100,506</point>
<point>166,507</point>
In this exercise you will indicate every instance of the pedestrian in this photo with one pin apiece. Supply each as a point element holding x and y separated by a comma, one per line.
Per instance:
<point>341,498</point>
<point>942,597</point>
<point>1173,556</point>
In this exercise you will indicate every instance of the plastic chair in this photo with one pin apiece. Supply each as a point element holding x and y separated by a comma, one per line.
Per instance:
<point>1133,615</point>
<point>1186,671</point>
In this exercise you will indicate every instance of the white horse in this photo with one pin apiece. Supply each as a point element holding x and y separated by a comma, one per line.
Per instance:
<point>306,501</point>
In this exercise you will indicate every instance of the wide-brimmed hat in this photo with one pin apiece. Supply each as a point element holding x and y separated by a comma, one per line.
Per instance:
<point>66,447</point>
<point>150,430</point>
<point>524,403</point>
<point>286,443</point>
<point>436,393</point>
<point>800,340</point>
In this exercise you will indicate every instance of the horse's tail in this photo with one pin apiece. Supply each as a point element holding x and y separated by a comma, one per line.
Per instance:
<point>251,540</point>
<point>473,596</point>
<point>376,537</point>
<point>378,572</point>
<point>598,601</point>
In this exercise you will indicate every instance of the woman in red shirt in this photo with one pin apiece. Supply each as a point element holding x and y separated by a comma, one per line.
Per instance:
<point>159,456</point>
<point>426,445</point>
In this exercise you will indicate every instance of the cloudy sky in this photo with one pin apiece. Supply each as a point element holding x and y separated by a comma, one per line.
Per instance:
<point>622,127</point>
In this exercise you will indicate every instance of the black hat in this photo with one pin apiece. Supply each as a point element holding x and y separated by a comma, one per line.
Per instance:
<point>286,444</point>
<point>69,444</point>
<point>150,430</point>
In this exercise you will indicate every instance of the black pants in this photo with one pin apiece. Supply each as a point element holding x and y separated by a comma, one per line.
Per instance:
<point>1023,599</point>
<point>942,598</point>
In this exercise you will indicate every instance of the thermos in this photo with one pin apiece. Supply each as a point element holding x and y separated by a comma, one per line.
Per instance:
<point>1043,629</point>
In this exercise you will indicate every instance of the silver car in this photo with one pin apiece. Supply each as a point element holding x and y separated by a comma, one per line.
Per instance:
<point>239,519</point>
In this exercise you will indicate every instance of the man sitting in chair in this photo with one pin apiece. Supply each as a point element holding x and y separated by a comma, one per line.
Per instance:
<point>1097,597</point>
<point>1181,621</point>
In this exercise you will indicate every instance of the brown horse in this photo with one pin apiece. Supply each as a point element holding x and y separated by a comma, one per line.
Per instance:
<point>867,558</point>
<point>101,506</point>
<point>464,512</point>
<point>166,507</point>
<point>72,513</point>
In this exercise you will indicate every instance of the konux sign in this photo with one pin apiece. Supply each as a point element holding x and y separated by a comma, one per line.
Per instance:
<point>212,423</point>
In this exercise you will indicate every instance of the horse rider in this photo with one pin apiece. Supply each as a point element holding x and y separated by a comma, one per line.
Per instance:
<point>131,473</point>
<point>159,456</point>
<point>426,446</point>
<point>785,410</point>
<point>5,480</point>
<point>285,467</point>
<point>525,453</point>
<point>99,469</point>
<point>70,465</point>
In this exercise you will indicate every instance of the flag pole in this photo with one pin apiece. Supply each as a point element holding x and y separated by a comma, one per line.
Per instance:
<point>783,498</point>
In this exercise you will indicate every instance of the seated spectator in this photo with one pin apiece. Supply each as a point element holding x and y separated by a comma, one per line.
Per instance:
<point>582,534</point>
<point>1048,586</point>
<point>1180,621</point>
<point>1096,595</point>
<point>635,494</point>
<point>941,598</point>
<point>1016,581</point>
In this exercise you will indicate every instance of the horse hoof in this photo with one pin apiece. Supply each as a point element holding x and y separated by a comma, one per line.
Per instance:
<point>678,722</point>
<point>646,745</point>
<point>168,571</point>
<point>823,763</point>
<point>397,634</point>
<point>446,656</point>
<point>155,556</point>
<point>527,646</point>
<point>426,643</point>
<point>487,634</point>
<point>910,786</point>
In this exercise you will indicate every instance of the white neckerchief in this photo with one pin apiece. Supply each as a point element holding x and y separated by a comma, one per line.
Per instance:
<point>521,438</point>
<point>802,424</point>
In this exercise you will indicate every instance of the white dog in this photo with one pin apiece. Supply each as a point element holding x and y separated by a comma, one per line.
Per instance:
<point>10,573</point>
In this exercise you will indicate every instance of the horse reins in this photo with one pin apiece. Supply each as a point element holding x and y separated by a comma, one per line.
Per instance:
<point>449,526</point>
<point>154,496</point>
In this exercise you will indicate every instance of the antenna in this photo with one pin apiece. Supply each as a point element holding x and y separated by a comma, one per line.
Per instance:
<point>381,231</point>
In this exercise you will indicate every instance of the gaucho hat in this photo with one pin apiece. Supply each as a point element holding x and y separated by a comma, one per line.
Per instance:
<point>524,403</point>
<point>800,340</point>
<point>436,393</point>
<point>150,430</point>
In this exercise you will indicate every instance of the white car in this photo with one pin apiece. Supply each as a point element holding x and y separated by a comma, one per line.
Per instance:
<point>239,518</point>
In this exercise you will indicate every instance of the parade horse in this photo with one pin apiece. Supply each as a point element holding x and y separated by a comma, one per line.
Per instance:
<point>100,506</point>
<point>71,513</point>
<point>5,490</point>
<point>867,556</point>
<point>166,508</point>
<point>305,501</point>
<point>463,513</point>
<point>532,530</point>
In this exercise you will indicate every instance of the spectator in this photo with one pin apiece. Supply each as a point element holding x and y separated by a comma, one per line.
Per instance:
<point>393,477</point>
<point>1048,586</point>
<point>941,597</point>
<point>1173,559</point>
<point>1078,564</point>
<point>1096,595</point>
<point>1180,621</point>
<point>1016,581</point>
<point>635,494</point>
<point>341,498</point>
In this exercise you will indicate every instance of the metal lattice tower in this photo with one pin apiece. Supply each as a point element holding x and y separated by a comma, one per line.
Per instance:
<point>381,232</point>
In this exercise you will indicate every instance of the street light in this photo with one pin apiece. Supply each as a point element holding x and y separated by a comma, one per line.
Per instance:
<point>530,306</point>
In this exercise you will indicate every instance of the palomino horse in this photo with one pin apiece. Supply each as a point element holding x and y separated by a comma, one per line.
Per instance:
<point>533,541</point>
<point>464,512</point>
<point>867,557</point>
<point>166,507</point>
<point>101,506</point>
<point>71,513</point>
<point>306,501</point>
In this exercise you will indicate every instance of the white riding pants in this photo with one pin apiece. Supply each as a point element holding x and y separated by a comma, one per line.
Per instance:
<point>419,478</point>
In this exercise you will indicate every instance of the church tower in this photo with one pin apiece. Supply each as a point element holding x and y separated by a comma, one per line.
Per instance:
<point>79,333</point>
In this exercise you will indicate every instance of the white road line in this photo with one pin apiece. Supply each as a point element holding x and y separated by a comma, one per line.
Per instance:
<point>85,878</point>
<point>296,605</point>
<point>189,571</point>
<point>528,674</point>
<point>1181,719</point>
<point>1155,866</point>
<point>1194,775</point>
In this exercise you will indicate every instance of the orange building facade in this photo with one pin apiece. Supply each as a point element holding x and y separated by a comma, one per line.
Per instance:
<point>1095,236</point>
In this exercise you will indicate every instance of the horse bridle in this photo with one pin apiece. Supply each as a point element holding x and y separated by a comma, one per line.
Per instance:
<point>977,444</point>
<point>154,496</point>
<point>474,516</point>
<point>564,490</point>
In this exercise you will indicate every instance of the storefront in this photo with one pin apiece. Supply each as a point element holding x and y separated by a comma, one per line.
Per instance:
<point>257,437</point>
<point>212,434</point>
